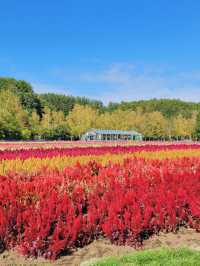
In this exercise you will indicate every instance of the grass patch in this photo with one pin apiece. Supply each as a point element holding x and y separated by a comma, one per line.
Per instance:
<point>161,257</point>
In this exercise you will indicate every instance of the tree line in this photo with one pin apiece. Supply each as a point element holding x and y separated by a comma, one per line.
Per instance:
<point>25,114</point>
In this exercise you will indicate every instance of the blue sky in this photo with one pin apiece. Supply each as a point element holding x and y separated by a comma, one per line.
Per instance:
<point>110,50</point>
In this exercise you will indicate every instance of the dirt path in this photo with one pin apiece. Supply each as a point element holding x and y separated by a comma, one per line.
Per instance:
<point>101,248</point>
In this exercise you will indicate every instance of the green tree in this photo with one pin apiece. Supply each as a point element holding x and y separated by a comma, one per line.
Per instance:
<point>34,125</point>
<point>29,100</point>
<point>197,127</point>
<point>13,119</point>
<point>168,107</point>
<point>53,125</point>
<point>65,103</point>
<point>58,102</point>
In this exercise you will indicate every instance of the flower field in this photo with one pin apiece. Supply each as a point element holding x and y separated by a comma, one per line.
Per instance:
<point>17,145</point>
<point>56,198</point>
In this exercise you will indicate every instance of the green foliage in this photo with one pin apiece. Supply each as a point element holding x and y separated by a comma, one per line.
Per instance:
<point>197,128</point>
<point>168,108</point>
<point>58,102</point>
<point>55,116</point>
<point>164,256</point>
<point>155,125</point>
<point>24,91</point>
<point>13,119</point>
<point>80,119</point>
<point>53,125</point>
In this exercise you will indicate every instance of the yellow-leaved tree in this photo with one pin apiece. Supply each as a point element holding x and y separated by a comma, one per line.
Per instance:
<point>53,124</point>
<point>155,125</point>
<point>80,119</point>
<point>184,127</point>
<point>13,119</point>
<point>123,120</point>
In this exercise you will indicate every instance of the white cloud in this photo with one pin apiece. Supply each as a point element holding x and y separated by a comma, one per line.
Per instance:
<point>131,82</point>
<point>126,82</point>
<point>45,88</point>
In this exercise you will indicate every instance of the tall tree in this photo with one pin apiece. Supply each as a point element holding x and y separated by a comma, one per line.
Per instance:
<point>34,125</point>
<point>65,103</point>
<point>80,119</point>
<point>29,100</point>
<point>197,127</point>
<point>53,125</point>
<point>13,119</point>
<point>155,125</point>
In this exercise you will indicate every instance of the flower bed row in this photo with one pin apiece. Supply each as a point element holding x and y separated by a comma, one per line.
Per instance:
<point>29,145</point>
<point>80,151</point>
<point>51,213</point>
<point>33,166</point>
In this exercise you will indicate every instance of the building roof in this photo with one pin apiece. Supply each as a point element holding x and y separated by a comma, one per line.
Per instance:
<point>111,131</point>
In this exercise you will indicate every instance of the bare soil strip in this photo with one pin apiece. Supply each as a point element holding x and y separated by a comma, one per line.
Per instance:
<point>101,248</point>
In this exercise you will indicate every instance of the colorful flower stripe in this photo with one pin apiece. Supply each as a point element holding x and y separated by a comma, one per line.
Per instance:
<point>79,151</point>
<point>34,165</point>
<point>29,145</point>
